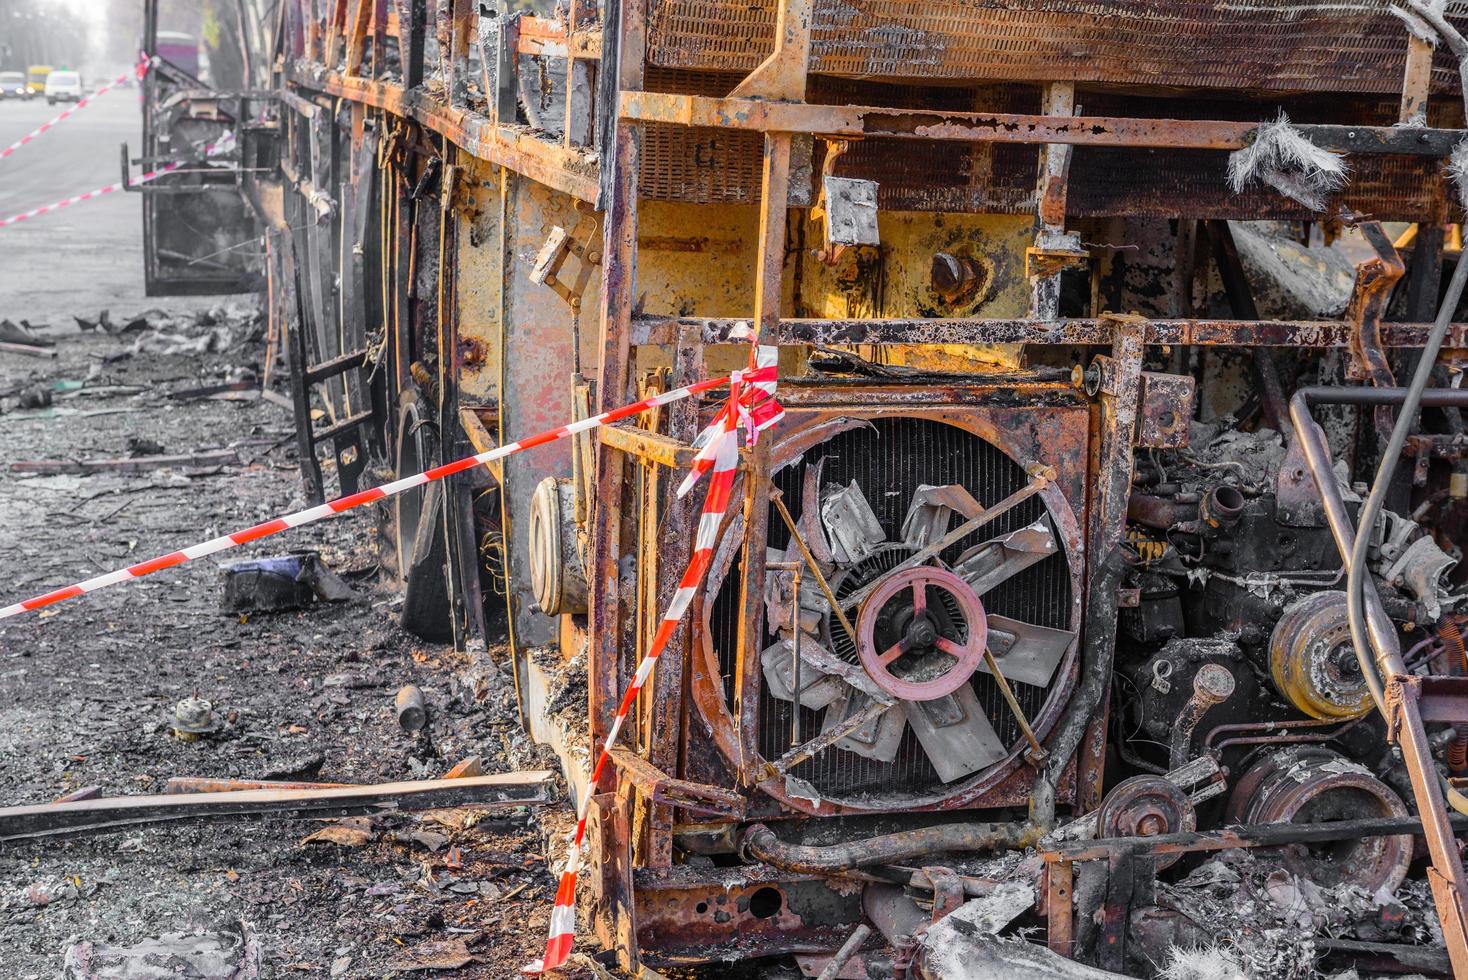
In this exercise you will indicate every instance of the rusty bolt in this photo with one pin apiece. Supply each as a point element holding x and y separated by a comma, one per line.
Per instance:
<point>1213,684</point>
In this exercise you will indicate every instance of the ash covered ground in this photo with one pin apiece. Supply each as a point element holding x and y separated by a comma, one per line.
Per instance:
<point>86,689</point>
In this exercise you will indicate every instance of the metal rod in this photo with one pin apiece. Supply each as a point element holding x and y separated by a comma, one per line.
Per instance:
<point>1037,751</point>
<point>795,657</point>
<point>846,952</point>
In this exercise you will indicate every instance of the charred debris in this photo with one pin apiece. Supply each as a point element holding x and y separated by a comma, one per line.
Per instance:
<point>1096,609</point>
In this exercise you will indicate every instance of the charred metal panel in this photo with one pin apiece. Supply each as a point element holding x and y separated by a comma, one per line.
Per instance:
<point>1346,47</point>
<point>538,365</point>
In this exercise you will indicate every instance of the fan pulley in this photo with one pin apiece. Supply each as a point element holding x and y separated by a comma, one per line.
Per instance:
<point>909,640</point>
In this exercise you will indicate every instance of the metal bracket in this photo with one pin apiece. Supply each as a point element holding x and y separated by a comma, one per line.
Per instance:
<point>559,246</point>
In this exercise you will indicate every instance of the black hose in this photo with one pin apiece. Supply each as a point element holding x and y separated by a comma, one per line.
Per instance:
<point>1391,456</point>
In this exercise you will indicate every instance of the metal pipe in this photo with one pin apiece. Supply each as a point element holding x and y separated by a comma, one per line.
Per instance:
<point>1212,685</point>
<point>846,952</point>
<point>1410,398</point>
<point>760,843</point>
<point>1380,630</point>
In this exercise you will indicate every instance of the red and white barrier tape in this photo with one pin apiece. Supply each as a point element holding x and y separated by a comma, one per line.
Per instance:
<point>138,72</point>
<point>333,507</point>
<point>224,144</point>
<point>719,453</point>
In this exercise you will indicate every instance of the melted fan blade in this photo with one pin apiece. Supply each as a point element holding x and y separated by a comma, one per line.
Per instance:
<point>956,734</point>
<point>809,522</point>
<point>877,739</point>
<point>931,513</point>
<point>851,524</point>
<point>780,590</point>
<point>986,565</point>
<point>1025,652</point>
<point>817,688</point>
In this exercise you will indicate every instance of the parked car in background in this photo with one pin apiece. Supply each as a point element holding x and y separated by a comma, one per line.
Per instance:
<point>35,78</point>
<point>63,86</point>
<point>13,86</point>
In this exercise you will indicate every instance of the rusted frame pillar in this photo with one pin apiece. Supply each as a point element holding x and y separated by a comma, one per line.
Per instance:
<point>1054,249</point>
<point>412,32</point>
<point>618,296</point>
<point>359,19</point>
<point>455,22</point>
<point>336,21</point>
<point>677,523</point>
<point>781,76</point>
<point>1416,82</point>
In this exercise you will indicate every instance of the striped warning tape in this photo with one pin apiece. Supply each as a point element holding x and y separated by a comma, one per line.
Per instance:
<point>332,507</point>
<point>137,72</point>
<point>719,453</point>
<point>223,145</point>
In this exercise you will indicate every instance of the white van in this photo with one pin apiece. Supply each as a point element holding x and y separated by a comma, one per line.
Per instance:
<point>63,86</point>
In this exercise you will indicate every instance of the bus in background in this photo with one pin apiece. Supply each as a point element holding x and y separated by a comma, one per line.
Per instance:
<point>180,50</point>
<point>35,78</point>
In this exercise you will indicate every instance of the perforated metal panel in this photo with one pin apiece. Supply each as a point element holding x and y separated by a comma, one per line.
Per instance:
<point>1259,44</point>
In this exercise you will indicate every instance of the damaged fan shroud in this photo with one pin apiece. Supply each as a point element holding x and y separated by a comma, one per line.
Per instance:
<point>868,494</point>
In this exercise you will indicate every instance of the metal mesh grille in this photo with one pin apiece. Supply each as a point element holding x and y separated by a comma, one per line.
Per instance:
<point>1260,44</point>
<point>699,165</point>
<point>890,460</point>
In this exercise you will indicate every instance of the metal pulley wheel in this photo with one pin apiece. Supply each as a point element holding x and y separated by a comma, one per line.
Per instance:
<point>1312,661</point>
<point>1146,806</point>
<point>910,640</point>
<point>557,572</point>
<point>1311,784</point>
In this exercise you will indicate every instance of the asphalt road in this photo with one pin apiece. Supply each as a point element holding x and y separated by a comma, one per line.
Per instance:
<point>84,257</point>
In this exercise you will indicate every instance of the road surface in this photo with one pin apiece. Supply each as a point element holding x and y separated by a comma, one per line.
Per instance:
<point>85,257</point>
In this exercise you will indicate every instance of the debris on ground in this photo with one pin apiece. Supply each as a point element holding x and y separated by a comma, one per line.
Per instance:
<point>228,951</point>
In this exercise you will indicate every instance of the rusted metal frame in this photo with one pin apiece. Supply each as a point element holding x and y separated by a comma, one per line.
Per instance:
<point>569,171</point>
<point>1060,907</point>
<point>1416,82</point>
<point>769,279</point>
<point>335,30</point>
<point>312,12</point>
<point>618,297</point>
<point>1243,836</point>
<point>106,814</point>
<point>676,528</point>
<point>1404,714</point>
<point>412,34</point>
<point>661,788</point>
<point>1241,301</point>
<point>1122,872</point>
<point>298,363</point>
<point>457,22</point>
<point>359,20</point>
<point>647,445</point>
<point>782,75</point>
<point>879,121</point>
<point>1090,331</point>
<point>1110,489</point>
<point>1375,279</point>
<point>1051,184</point>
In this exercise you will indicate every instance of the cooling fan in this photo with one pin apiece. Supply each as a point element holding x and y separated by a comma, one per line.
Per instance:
<point>921,629</point>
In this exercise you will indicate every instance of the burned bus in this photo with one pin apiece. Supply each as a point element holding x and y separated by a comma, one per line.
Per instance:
<point>1113,522</point>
